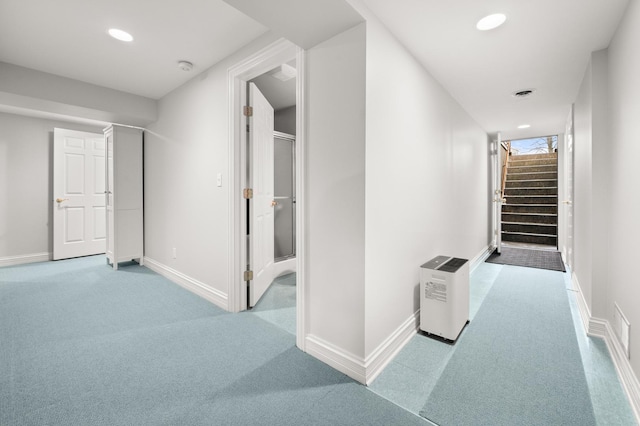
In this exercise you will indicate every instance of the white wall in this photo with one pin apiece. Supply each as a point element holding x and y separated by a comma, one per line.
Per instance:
<point>26,160</point>
<point>427,182</point>
<point>24,89</point>
<point>592,187</point>
<point>184,151</point>
<point>624,142</point>
<point>285,120</point>
<point>582,189</point>
<point>335,191</point>
<point>602,304</point>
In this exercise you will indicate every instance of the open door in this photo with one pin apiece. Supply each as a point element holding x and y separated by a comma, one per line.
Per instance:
<point>567,210</point>
<point>79,221</point>
<point>262,202</point>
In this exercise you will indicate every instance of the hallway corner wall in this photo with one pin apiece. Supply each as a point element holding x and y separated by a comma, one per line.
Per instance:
<point>335,194</point>
<point>427,187</point>
<point>624,147</point>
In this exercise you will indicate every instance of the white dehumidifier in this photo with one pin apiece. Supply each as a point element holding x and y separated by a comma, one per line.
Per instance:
<point>444,296</point>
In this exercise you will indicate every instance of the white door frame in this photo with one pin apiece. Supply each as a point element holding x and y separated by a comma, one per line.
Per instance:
<point>266,59</point>
<point>496,192</point>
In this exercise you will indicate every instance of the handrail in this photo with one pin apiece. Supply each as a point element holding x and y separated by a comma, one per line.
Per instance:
<point>505,166</point>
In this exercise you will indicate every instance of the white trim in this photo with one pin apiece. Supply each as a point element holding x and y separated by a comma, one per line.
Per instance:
<point>480,257</point>
<point>25,258</point>
<point>302,314</point>
<point>601,328</point>
<point>201,289</point>
<point>583,307</point>
<point>378,360</point>
<point>345,362</point>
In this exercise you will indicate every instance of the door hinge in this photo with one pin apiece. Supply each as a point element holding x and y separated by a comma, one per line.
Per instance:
<point>247,193</point>
<point>248,130</point>
<point>248,275</point>
<point>248,111</point>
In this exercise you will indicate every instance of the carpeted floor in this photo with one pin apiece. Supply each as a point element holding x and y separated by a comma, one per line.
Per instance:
<point>518,359</point>
<point>81,344</point>
<point>541,259</point>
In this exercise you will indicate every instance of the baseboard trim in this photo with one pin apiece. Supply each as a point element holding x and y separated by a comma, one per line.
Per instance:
<point>381,357</point>
<point>601,328</point>
<point>583,307</point>
<point>337,358</point>
<point>212,295</point>
<point>25,258</point>
<point>480,257</point>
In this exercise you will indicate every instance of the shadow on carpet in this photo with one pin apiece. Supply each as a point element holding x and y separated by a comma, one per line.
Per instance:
<point>518,362</point>
<point>541,259</point>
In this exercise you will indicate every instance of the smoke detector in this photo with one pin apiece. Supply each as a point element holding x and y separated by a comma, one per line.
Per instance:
<point>523,93</point>
<point>185,65</point>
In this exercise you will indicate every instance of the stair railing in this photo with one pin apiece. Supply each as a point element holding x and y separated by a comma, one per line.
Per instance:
<point>506,146</point>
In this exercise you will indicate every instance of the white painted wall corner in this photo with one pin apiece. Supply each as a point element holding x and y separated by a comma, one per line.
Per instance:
<point>377,361</point>
<point>347,363</point>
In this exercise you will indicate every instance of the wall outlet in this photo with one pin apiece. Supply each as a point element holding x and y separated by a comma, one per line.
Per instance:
<point>174,253</point>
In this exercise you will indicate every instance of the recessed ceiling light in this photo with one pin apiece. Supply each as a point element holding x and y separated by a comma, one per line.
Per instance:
<point>490,22</point>
<point>524,126</point>
<point>120,35</point>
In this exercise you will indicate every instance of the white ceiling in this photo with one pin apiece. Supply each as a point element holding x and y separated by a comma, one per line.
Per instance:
<point>69,38</point>
<point>545,44</point>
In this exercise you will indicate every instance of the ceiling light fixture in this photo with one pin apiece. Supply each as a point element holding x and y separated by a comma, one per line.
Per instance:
<point>185,65</point>
<point>120,35</point>
<point>490,22</point>
<point>524,126</point>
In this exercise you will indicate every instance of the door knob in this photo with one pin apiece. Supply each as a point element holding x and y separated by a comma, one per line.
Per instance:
<point>274,203</point>
<point>59,200</point>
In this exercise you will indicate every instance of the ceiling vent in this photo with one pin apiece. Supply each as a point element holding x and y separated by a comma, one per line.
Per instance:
<point>523,93</point>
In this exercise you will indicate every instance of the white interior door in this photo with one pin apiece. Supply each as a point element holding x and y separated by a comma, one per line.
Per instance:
<point>567,203</point>
<point>79,221</point>
<point>497,192</point>
<point>261,205</point>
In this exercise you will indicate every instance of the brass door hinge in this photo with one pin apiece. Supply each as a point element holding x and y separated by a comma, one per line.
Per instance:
<point>248,275</point>
<point>248,111</point>
<point>247,193</point>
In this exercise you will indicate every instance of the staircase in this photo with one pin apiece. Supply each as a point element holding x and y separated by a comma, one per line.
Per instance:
<point>530,214</point>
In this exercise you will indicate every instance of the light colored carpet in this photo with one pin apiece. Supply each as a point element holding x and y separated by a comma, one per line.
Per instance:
<point>81,344</point>
<point>517,361</point>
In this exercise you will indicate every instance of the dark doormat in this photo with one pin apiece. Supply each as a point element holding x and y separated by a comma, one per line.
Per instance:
<point>541,259</point>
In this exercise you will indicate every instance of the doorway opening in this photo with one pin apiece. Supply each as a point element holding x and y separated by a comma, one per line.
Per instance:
<point>529,216</point>
<point>246,242</point>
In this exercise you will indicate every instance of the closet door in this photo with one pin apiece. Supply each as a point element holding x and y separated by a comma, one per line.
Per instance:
<point>109,192</point>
